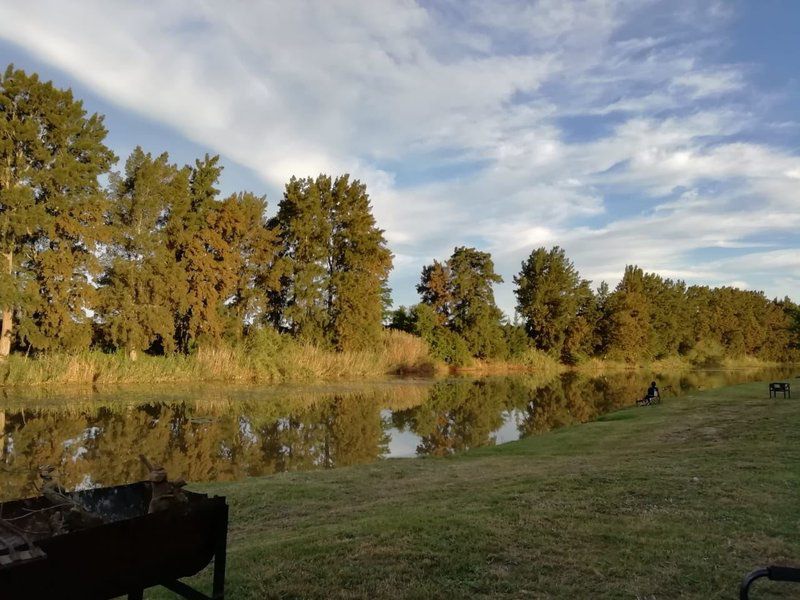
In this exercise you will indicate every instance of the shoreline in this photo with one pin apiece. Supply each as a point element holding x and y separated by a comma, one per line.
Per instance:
<point>229,367</point>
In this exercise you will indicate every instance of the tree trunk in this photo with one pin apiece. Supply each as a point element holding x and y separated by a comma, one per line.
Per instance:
<point>2,432</point>
<point>5,331</point>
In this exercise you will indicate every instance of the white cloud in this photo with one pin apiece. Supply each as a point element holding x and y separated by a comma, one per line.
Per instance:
<point>710,83</point>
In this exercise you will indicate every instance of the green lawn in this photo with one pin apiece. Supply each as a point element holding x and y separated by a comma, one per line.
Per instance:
<point>672,501</point>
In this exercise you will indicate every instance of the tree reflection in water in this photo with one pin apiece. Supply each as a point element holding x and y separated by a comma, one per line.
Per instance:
<point>224,434</point>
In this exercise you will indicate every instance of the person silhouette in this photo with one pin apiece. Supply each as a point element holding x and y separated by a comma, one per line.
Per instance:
<point>652,396</point>
<point>652,393</point>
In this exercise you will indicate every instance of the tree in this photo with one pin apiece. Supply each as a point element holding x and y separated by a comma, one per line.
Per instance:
<point>435,290</point>
<point>305,230</point>
<point>669,316</point>
<point>360,263</point>
<point>581,338</point>
<point>336,263</point>
<point>143,286</point>
<point>460,296</point>
<point>475,316</point>
<point>549,294</point>
<point>793,317</point>
<point>444,343</point>
<point>601,329</point>
<point>254,245</point>
<point>51,209</point>
<point>629,317</point>
<point>225,251</point>
<point>402,319</point>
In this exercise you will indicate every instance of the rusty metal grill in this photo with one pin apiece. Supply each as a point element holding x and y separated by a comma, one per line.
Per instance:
<point>126,551</point>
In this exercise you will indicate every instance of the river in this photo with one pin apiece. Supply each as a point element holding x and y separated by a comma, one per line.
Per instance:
<point>93,437</point>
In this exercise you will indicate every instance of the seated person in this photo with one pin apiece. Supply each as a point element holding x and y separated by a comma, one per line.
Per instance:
<point>651,396</point>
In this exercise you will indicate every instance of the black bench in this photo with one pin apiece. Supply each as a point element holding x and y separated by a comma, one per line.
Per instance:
<point>779,386</point>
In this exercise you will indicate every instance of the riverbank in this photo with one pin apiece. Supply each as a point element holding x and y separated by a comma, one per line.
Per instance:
<point>275,359</point>
<point>270,358</point>
<point>676,500</point>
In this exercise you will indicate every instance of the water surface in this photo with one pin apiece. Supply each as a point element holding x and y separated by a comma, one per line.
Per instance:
<point>208,433</point>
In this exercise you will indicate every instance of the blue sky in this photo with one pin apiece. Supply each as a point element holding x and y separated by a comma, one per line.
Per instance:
<point>663,134</point>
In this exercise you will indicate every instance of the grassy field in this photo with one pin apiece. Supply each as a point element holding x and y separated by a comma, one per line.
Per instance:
<point>672,501</point>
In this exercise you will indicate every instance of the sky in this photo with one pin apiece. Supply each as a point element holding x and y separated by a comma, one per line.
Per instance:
<point>664,134</point>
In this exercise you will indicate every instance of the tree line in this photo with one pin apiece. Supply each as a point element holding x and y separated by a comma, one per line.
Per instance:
<point>155,259</point>
<point>646,317</point>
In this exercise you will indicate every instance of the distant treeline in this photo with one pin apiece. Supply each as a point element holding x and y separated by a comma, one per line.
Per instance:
<point>154,259</point>
<point>646,317</point>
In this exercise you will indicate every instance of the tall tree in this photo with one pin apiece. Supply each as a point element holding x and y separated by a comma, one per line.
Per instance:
<point>200,254</point>
<point>143,286</point>
<point>360,263</point>
<point>669,316</point>
<point>254,244</point>
<point>475,315</point>
<point>435,290</point>
<point>581,339</point>
<point>460,298</point>
<point>602,333</point>
<point>51,211</point>
<point>224,250</point>
<point>629,317</point>
<point>305,232</point>
<point>335,263</point>
<point>549,294</point>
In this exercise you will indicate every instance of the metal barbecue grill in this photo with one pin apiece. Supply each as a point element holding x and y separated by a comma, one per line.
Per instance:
<point>125,550</point>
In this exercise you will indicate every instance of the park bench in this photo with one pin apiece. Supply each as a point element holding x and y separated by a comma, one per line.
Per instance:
<point>773,573</point>
<point>779,386</point>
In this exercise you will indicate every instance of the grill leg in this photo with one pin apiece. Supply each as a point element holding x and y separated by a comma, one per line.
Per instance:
<point>220,557</point>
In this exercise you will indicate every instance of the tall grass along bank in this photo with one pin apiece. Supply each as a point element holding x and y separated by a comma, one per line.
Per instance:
<point>267,358</point>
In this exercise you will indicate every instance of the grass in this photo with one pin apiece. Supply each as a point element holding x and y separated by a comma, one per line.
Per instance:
<point>672,501</point>
<point>531,361</point>
<point>268,358</point>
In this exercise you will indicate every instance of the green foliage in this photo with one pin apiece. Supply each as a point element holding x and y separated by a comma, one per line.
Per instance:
<point>668,316</point>
<point>435,289</point>
<point>204,256</point>
<point>336,262</point>
<point>360,263</point>
<point>444,344</point>
<point>792,312</point>
<point>629,318</point>
<point>402,319</point>
<point>555,304</point>
<point>51,210</point>
<point>143,287</point>
<point>460,295</point>
<point>516,339</point>
<point>160,263</point>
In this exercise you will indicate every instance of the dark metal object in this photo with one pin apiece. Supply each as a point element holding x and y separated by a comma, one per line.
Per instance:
<point>772,573</point>
<point>779,386</point>
<point>128,553</point>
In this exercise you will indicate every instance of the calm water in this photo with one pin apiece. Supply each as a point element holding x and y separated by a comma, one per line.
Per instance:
<point>94,437</point>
